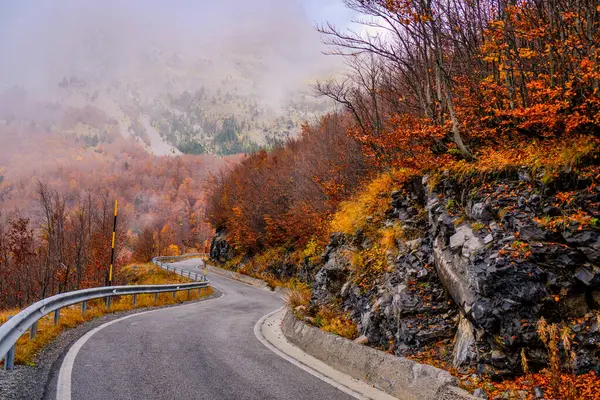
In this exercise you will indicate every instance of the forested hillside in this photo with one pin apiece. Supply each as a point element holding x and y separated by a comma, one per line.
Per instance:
<point>450,213</point>
<point>57,194</point>
<point>140,102</point>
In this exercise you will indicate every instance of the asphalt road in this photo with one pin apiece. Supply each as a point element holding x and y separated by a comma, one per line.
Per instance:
<point>205,350</point>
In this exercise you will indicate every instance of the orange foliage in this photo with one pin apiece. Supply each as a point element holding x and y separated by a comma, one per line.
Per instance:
<point>83,178</point>
<point>282,198</point>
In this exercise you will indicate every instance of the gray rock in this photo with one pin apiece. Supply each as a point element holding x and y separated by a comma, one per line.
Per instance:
<point>464,342</point>
<point>480,212</point>
<point>414,244</point>
<point>453,276</point>
<point>219,247</point>
<point>459,238</point>
<point>538,392</point>
<point>577,305</point>
<point>498,358</point>
<point>528,231</point>
<point>592,253</point>
<point>330,279</point>
<point>480,393</point>
<point>466,239</point>
<point>524,176</point>
<point>488,239</point>
<point>472,246</point>
<point>584,275</point>
<point>596,298</point>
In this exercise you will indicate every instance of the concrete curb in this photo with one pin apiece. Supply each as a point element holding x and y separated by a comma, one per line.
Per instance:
<point>397,376</point>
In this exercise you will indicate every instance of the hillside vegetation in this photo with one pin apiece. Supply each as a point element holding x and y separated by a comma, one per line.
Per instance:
<point>57,197</point>
<point>450,214</point>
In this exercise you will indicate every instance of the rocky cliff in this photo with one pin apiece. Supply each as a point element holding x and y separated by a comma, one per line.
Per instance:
<point>474,265</point>
<point>477,265</point>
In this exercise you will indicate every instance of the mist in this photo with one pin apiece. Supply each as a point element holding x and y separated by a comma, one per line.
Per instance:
<point>108,41</point>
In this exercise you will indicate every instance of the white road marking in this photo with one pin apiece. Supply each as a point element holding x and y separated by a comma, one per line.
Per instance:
<point>360,390</point>
<point>63,387</point>
<point>297,363</point>
<point>326,373</point>
<point>268,331</point>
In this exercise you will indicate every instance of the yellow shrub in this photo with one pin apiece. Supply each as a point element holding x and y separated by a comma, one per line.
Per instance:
<point>173,250</point>
<point>313,250</point>
<point>337,323</point>
<point>551,155</point>
<point>300,294</point>
<point>372,202</point>
<point>390,236</point>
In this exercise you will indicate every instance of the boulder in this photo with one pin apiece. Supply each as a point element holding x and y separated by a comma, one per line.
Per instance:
<point>219,247</point>
<point>464,343</point>
<point>480,212</point>
<point>330,279</point>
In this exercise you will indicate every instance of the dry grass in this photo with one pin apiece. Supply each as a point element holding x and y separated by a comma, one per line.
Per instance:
<point>149,274</point>
<point>260,266</point>
<point>336,322</point>
<point>550,155</point>
<point>71,317</point>
<point>369,206</point>
<point>300,294</point>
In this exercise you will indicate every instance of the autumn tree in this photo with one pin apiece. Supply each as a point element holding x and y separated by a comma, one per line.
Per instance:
<point>281,197</point>
<point>145,247</point>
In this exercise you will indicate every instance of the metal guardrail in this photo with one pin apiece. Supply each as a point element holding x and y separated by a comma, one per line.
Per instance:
<point>163,262</point>
<point>17,325</point>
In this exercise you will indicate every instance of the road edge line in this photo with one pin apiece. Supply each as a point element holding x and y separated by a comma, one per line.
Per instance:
<point>300,364</point>
<point>63,384</point>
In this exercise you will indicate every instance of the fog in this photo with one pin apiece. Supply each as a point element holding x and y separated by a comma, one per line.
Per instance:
<point>111,40</point>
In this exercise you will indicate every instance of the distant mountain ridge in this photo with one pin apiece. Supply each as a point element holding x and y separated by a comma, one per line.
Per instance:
<point>218,83</point>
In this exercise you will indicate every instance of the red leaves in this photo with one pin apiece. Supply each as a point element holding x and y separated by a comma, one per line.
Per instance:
<point>283,197</point>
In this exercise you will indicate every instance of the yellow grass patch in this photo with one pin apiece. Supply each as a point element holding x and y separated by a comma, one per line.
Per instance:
<point>368,207</point>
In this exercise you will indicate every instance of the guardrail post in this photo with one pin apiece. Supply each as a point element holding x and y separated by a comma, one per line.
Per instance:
<point>155,297</point>
<point>108,302</point>
<point>199,291</point>
<point>83,308</point>
<point>9,360</point>
<point>174,294</point>
<point>134,299</point>
<point>189,291</point>
<point>56,317</point>
<point>33,331</point>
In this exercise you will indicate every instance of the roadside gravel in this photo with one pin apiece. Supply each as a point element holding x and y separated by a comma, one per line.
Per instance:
<point>32,382</point>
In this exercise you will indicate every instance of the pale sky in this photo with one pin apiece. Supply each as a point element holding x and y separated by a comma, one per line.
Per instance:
<point>40,36</point>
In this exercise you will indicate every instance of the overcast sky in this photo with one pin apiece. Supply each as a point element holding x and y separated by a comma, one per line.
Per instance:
<point>43,39</point>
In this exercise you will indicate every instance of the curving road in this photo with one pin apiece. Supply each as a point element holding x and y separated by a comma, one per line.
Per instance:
<point>205,350</point>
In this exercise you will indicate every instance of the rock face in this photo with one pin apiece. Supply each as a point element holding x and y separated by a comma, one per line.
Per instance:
<point>406,308</point>
<point>331,277</point>
<point>481,265</point>
<point>219,248</point>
